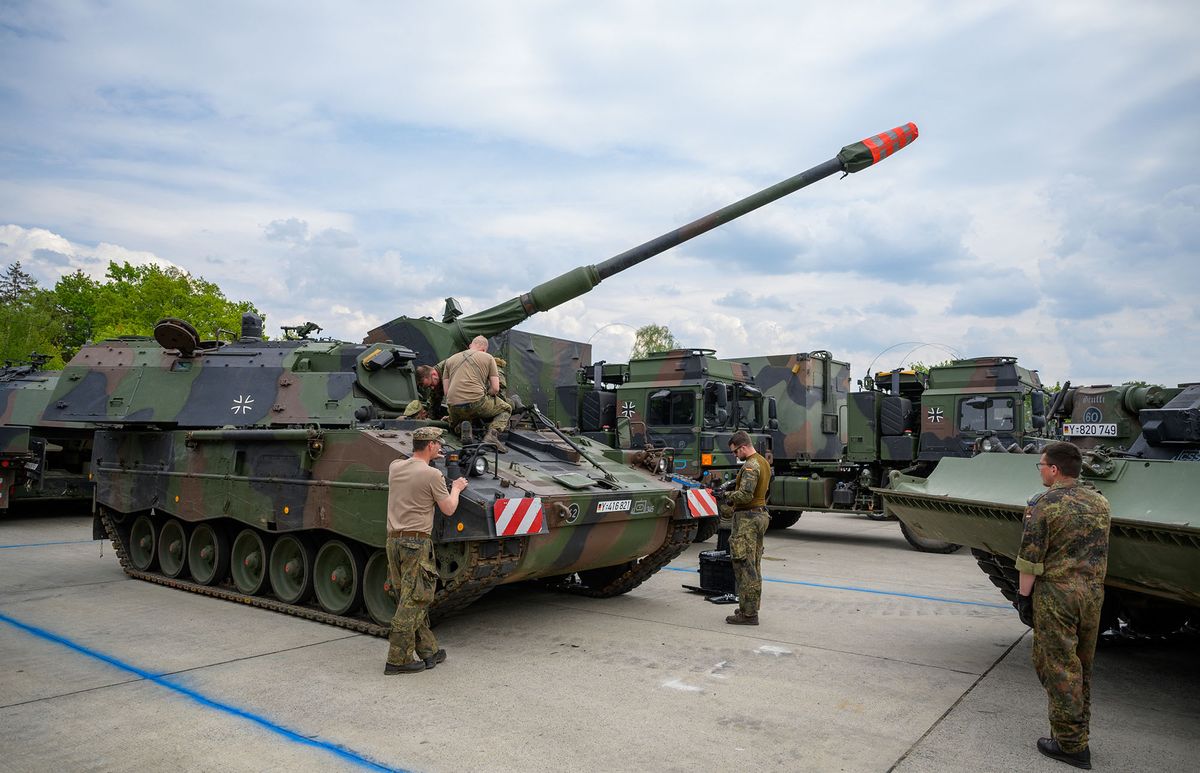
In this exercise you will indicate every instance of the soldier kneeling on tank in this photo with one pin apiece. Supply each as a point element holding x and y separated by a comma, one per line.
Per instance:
<point>472,381</point>
<point>414,488</point>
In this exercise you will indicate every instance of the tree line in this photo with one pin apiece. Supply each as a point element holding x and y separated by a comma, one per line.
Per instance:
<point>129,301</point>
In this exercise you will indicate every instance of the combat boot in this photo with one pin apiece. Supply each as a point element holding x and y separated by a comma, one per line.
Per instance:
<point>737,618</point>
<point>1080,759</point>
<point>435,658</point>
<point>493,438</point>
<point>407,668</point>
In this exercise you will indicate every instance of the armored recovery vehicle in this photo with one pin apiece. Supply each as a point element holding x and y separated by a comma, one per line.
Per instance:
<point>827,446</point>
<point>1153,580</point>
<point>43,464</point>
<point>257,470</point>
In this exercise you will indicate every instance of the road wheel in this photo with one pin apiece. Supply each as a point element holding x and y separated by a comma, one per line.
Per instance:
<point>248,562</point>
<point>142,543</point>
<point>291,569</point>
<point>172,548</point>
<point>378,597</point>
<point>337,577</point>
<point>208,554</point>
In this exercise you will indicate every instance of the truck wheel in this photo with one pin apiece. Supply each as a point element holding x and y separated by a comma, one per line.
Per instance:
<point>781,519</point>
<point>927,545</point>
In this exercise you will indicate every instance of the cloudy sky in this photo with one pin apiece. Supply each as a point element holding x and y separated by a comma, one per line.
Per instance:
<point>347,163</point>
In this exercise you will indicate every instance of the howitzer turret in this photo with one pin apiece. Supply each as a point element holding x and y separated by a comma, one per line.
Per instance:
<point>433,341</point>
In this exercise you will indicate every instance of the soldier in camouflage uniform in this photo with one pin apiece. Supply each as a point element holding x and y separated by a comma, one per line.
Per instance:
<point>472,382</point>
<point>750,519</point>
<point>1062,561</point>
<point>414,489</point>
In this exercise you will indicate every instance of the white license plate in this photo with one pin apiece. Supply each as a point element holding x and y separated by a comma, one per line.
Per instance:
<point>614,506</point>
<point>1090,430</point>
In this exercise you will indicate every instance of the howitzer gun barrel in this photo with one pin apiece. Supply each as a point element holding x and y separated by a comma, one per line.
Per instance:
<point>572,284</point>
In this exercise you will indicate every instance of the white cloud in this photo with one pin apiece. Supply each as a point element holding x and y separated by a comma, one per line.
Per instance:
<point>350,166</point>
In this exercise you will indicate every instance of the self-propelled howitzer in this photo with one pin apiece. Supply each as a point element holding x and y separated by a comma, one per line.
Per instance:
<point>536,366</point>
<point>256,470</point>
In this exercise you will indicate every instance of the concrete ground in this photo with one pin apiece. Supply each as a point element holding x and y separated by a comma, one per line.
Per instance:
<point>870,657</point>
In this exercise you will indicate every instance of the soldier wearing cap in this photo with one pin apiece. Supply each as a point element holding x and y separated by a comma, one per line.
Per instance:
<point>1062,562</point>
<point>750,519</point>
<point>414,489</point>
<point>415,410</point>
<point>472,382</point>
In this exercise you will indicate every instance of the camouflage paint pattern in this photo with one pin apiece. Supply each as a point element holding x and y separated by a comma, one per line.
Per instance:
<point>535,365</point>
<point>1066,625</point>
<point>40,460</point>
<point>413,573</point>
<point>810,390</point>
<point>266,436</point>
<point>950,424</point>
<point>1064,544</point>
<point>1114,407</point>
<point>746,551</point>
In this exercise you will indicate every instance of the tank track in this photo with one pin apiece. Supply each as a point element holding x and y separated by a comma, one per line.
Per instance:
<point>679,537</point>
<point>490,563</point>
<point>1117,623</point>
<point>1001,570</point>
<point>478,578</point>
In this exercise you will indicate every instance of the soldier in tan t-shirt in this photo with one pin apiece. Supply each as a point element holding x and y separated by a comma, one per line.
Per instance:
<point>414,489</point>
<point>472,382</point>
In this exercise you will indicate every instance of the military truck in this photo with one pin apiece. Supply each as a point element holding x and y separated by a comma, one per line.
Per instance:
<point>1153,580</point>
<point>256,470</point>
<point>828,446</point>
<point>44,465</point>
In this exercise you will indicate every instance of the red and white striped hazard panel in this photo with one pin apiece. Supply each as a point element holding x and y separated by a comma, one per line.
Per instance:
<point>701,502</point>
<point>515,517</point>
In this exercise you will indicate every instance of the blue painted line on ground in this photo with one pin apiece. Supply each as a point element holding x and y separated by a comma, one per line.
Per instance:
<point>204,701</point>
<point>43,544</point>
<point>875,591</point>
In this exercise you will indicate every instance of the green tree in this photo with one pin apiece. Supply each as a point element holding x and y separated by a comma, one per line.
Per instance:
<point>76,296</point>
<point>134,298</point>
<point>652,338</point>
<point>29,319</point>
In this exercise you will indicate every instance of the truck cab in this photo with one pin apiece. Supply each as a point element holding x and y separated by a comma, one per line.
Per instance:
<point>683,399</point>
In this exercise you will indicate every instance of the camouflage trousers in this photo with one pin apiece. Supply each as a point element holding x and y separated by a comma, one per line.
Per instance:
<point>488,408</point>
<point>413,576</point>
<point>1066,622</point>
<point>745,551</point>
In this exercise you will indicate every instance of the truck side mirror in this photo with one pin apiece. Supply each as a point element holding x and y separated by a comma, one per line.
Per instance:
<point>1037,405</point>
<point>722,393</point>
<point>772,414</point>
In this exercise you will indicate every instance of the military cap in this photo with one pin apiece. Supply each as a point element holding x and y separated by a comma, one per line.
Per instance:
<point>428,433</point>
<point>413,408</point>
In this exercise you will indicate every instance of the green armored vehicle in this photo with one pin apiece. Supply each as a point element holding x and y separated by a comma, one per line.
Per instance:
<point>1105,415</point>
<point>828,446</point>
<point>1153,581</point>
<point>43,464</point>
<point>257,470</point>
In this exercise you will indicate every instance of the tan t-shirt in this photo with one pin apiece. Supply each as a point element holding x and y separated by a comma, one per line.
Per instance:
<point>414,489</point>
<point>467,376</point>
